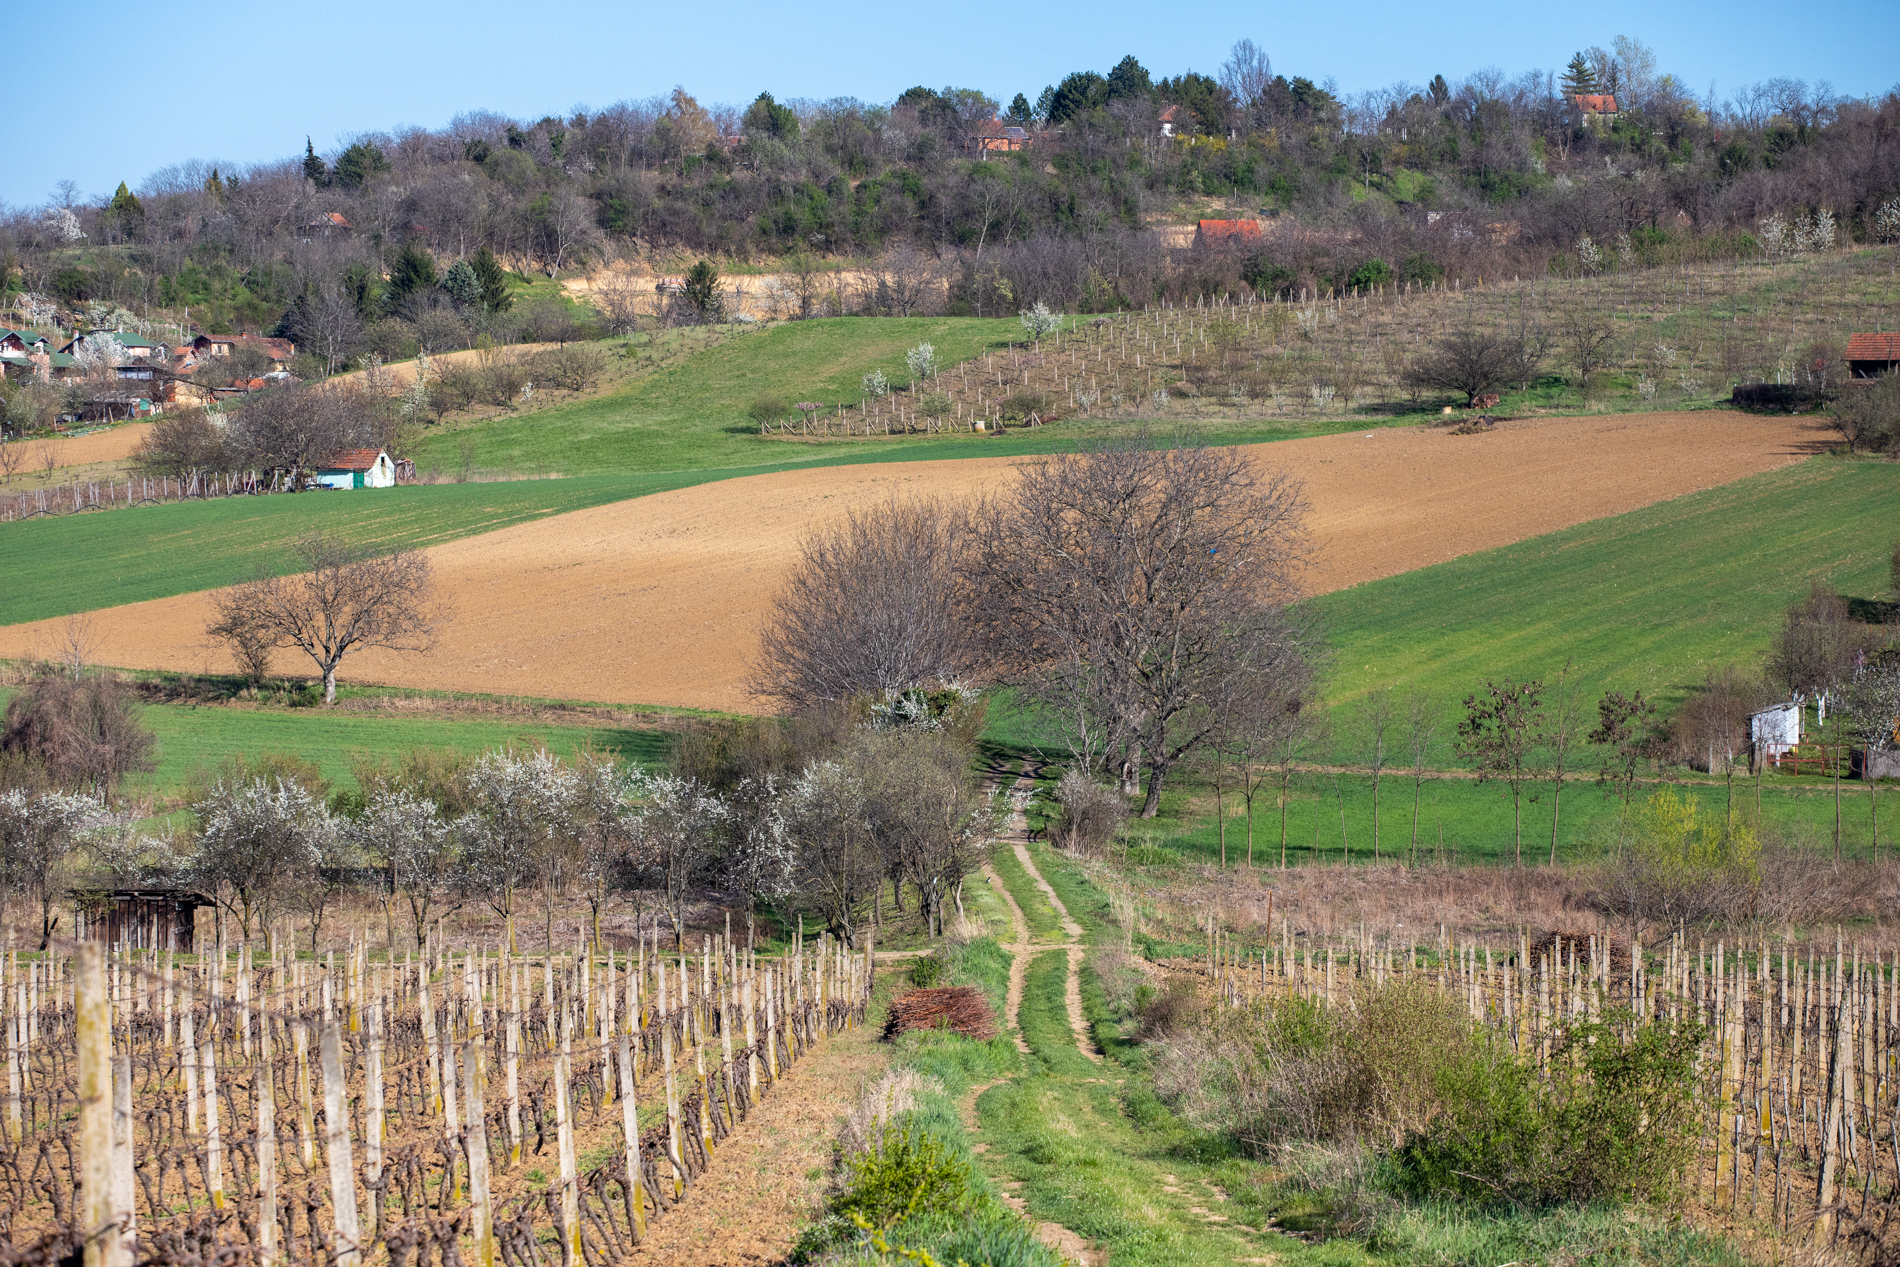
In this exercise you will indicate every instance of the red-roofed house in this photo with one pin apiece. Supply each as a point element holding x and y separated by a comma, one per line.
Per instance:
<point>1212,234</point>
<point>357,468</point>
<point>1170,115</point>
<point>1871,355</point>
<point>1001,138</point>
<point>280,351</point>
<point>1595,105</point>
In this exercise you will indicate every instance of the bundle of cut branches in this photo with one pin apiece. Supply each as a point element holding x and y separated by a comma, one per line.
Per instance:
<point>958,1008</point>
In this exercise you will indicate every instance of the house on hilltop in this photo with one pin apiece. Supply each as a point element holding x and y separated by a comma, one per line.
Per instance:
<point>357,468</point>
<point>1595,107</point>
<point>1216,234</point>
<point>1871,355</point>
<point>1000,138</point>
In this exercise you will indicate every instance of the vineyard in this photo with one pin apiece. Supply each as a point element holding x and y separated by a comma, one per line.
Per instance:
<point>1796,1088</point>
<point>1661,337</point>
<point>245,1107</point>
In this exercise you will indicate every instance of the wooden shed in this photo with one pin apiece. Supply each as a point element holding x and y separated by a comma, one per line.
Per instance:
<point>143,919</point>
<point>1871,355</point>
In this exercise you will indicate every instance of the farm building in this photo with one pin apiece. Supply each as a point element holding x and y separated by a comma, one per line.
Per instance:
<point>1212,234</point>
<point>1871,355</point>
<point>357,468</point>
<point>1597,107</point>
<point>143,919</point>
<point>1775,731</point>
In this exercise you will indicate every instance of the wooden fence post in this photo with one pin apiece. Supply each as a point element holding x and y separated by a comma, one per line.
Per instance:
<point>266,1155</point>
<point>348,1248</point>
<point>214,1138</point>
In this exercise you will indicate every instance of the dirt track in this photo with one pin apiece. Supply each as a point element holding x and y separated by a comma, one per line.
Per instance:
<point>659,600</point>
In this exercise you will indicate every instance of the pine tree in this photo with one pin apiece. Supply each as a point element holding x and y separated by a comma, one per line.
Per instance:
<point>314,168</point>
<point>126,205</point>
<point>1020,111</point>
<point>702,292</point>
<point>1580,78</point>
<point>493,278</point>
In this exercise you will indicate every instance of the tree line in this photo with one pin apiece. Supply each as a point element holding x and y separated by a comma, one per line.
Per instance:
<point>1418,181</point>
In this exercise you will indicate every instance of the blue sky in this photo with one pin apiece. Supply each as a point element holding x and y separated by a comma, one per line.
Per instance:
<point>248,85</point>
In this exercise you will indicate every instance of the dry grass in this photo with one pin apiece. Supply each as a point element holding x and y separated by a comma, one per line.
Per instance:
<point>1801,892</point>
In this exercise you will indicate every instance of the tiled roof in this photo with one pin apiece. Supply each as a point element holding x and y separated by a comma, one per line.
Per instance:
<point>1595,102</point>
<point>352,460</point>
<point>1873,347</point>
<point>1211,229</point>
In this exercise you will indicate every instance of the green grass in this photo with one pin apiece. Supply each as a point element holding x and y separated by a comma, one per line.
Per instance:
<point>192,739</point>
<point>692,415</point>
<point>54,567</point>
<point>1652,600</point>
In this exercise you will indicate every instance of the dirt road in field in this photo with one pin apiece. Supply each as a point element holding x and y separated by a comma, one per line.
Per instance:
<point>660,600</point>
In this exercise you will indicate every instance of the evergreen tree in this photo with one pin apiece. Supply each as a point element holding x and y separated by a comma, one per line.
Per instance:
<point>1440,90</point>
<point>214,185</point>
<point>314,168</point>
<point>358,163</point>
<point>766,117</point>
<point>126,205</point>
<point>494,280</point>
<point>1580,78</point>
<point>1020,112</point>
<point>462,286</point>
<point>1129,79</point>
<point>411,273</point>
<point>702,292</point>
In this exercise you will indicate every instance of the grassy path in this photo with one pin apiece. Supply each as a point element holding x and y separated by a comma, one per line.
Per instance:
<point>1077,1140</point>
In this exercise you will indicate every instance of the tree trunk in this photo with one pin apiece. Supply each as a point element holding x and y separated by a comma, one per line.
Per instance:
<point>329,684</point>
<point>1157,775</point>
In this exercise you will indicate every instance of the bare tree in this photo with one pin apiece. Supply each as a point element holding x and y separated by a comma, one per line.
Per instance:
<point>346,599</point>
<point>622,299</point>
<point>81,729</point>
<point>928,820</point>
<point>903,280</point>
<point>1141,586</point>
<point>1475,361</point>
<point>11,457</point>
<point>1588,338</point>
<point>871,608</point>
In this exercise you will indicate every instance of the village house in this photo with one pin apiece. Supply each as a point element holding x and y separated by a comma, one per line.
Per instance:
<point>1222,234</point>
<point>1595,107</point>
<point>280,351</point>
<point>356,468</point>
<point>1871,355</point>
<point>997,137</point>
<point>1169,117</point>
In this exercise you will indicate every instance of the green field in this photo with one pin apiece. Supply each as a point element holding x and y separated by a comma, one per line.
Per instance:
<point>692,415</point>
<point>191,739</point>
<point>1652,600</point>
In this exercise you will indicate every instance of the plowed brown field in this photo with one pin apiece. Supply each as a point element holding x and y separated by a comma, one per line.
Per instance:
<point>660,600</point>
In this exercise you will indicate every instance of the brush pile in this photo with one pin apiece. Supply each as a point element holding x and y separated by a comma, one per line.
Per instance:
<point>958,1008</point>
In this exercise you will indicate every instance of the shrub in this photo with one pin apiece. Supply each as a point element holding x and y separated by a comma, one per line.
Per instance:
<point>769,408</point>
<point>455,386</point>
<point>1779,398</point>
<point>1018,407</point>
<point>1615,1117</point>
<point>573,368</point>
<point>1090,814</point>
<point>501,383</point>
<point>82,729</point>
<point>927,972</point>
<point>1289,1070</point>
<point>905,1173</point>
<point>1374,272</point>
<point>181,441</point>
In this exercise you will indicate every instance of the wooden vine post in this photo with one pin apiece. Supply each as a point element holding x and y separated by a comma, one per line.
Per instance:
<point>348,1250</point>
<point>630,1128</point>
<point>480,1202</point>
<point>93,1024</point>
<point>570,1173</point>
<point>123,1212</point>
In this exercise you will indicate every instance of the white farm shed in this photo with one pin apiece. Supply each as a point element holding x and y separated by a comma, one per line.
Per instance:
<point>1774,731</point>
<point>357,468</point>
